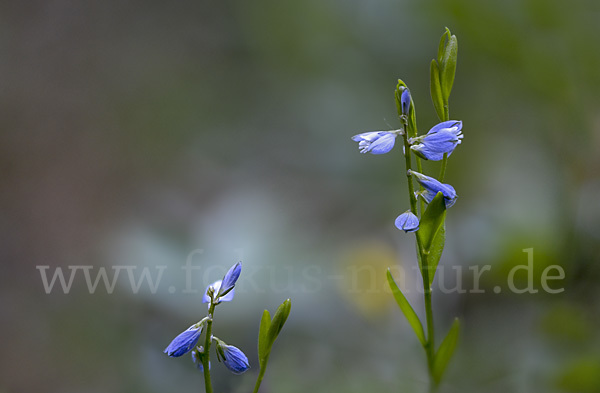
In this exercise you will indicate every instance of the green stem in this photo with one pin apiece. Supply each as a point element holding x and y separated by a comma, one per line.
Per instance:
<point>411,187</point>
<point>261,374</point>
<point>443,168</point>
<point>206,357</point>
<point>430,344</point>
<point>430,348</point>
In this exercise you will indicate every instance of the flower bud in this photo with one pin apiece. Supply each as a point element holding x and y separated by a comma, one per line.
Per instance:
<point>233,358</point>
<point>432,187</point>
<point>405,100</point>
<point>407,222</point>
<point>184,342</point>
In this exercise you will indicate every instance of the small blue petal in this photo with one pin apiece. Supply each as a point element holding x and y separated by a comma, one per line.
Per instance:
<point>407,222</point>
<point>230,278</point>
<point>405,102</point>
<point>227,297</point>
<point>383,144</point>
<point>184,342</point>
<point>234,359</point>
<point>450,124</point>
<point>375,142</point>
<point>368,136</point>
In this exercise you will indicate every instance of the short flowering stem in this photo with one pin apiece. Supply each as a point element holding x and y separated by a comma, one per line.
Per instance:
<point>207,342</point>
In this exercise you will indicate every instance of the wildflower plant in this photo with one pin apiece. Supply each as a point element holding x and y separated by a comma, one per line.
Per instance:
<point>232,357</point>
<point>427,214</point>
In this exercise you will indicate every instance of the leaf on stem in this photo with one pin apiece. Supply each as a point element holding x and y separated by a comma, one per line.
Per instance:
<point>436,90</point>
<point>445,352</point>
<point>407,309</point>
<point>437,247</point>
<point>442,46</point>
<point>432,221</point>
<point>279,319</point>
<point>263,338</point>
<point>449,68</point>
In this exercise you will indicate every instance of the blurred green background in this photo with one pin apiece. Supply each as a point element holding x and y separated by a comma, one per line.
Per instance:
<point>135,132</point>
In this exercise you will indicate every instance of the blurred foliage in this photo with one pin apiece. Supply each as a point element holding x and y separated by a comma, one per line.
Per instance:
<point>160,128</point>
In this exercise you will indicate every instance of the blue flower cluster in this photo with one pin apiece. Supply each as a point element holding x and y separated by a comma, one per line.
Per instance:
<point>217,292</point>
<point>440,141</point>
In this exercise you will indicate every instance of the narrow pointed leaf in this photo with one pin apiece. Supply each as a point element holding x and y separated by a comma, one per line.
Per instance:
<point>437,247</point>
<point>442,45</point>
<point>279,319</point>
<point>407,309</point>
<point>432,220</point>
<point>412,119</point>
<point>436,90</point>
<point>264,346</point>
<point>449,68</point>
<point>445,352</point>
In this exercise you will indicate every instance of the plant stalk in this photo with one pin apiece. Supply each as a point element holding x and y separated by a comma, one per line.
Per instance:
<point>261,374</point>
<point>207,342</point>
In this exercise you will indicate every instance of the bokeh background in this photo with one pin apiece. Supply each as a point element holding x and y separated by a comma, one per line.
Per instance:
<point>135,132</point>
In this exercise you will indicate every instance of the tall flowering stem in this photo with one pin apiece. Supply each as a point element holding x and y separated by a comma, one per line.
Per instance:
<point>207,342</point>
<point>427,218</point>
<point>430,343</point>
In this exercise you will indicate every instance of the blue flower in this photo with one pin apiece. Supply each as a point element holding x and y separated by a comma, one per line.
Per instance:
<point>407,222</point>
<point>432,187</point>
<point>184,342</point>
<point>215,287</point>
<point>222,290</point>
<point>233,358</point>
<point>376,142</point>
<point>405,101</point>
<point>442,138</point>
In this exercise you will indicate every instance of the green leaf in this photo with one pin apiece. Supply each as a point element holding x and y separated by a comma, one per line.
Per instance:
<point>412,119</point>
<point>436,90</point>
<point>407,309</point>
<point>449,68</point>
<point>264,346</point>
<point>437,247</point>
<point>431,221</point>
<point>279,319</point>
<point>445,352</point>
<point>442,46</point>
